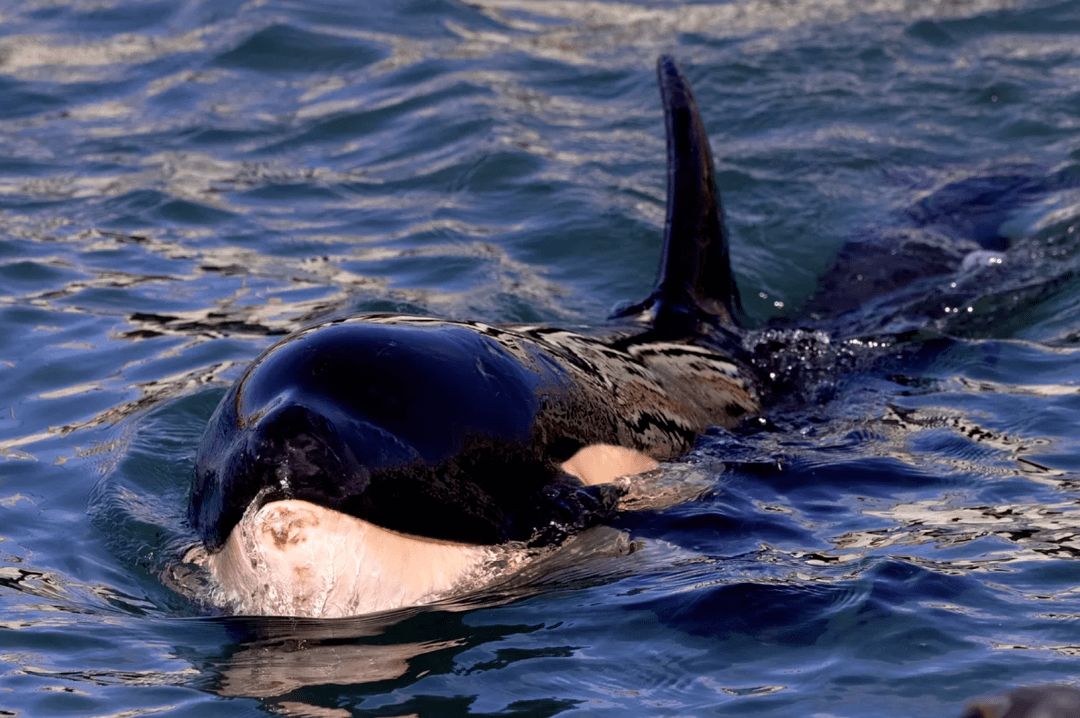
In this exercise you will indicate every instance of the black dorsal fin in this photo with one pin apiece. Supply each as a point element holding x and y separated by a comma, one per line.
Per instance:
<point>694,282</point>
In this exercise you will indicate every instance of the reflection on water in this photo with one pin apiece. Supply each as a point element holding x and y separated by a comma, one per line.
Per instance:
<point>1050,530</point>
<point>615,24</point>
<point>276,668</point>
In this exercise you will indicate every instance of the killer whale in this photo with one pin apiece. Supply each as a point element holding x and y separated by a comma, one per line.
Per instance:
<point>427,440</point>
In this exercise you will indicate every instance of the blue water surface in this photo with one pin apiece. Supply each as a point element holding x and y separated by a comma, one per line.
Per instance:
<point>182,181</point>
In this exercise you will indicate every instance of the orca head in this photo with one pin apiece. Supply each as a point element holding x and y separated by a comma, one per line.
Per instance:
<point>424,430</point>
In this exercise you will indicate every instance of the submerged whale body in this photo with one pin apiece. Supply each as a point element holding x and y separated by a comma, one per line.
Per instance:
<point>1049,701</point>
<point>380,461</point>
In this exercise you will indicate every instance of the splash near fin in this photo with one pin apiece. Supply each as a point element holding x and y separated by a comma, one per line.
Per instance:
<point>694,282</point>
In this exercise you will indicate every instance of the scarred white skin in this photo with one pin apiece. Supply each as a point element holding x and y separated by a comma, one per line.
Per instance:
<point>294,558</point>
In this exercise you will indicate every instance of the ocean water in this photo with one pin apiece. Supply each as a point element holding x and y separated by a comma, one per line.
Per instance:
<point>182,181</point>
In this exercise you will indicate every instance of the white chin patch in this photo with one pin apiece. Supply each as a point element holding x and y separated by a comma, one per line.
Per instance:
<point>293,558</point>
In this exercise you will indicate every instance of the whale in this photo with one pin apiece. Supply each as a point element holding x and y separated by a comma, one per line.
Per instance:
<point>382,460</point>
